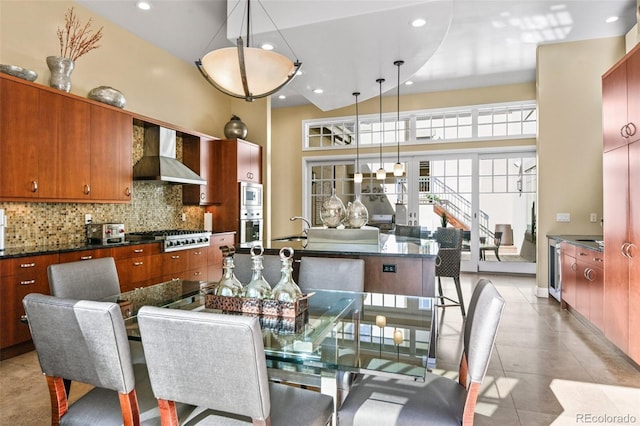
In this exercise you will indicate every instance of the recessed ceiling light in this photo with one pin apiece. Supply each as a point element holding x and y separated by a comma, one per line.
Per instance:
<point>557,7</point>
<point>282,97</point>
<point>611,19</point>
<point>267,46</point>
<point>318,91</point>
<point>408,82</point>
<point>418,23</point>
<point>143,5</point>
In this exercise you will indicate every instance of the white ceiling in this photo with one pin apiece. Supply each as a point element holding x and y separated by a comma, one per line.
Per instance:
<point>345,45</point>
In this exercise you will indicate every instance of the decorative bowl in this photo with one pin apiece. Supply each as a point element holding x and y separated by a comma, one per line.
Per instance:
<point>108,95</point>
<point>19,72</point>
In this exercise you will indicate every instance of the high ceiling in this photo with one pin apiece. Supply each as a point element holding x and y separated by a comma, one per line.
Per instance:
<point>345,45</point>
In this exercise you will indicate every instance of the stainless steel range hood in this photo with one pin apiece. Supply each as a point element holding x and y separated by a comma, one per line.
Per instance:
<point>158,162</point>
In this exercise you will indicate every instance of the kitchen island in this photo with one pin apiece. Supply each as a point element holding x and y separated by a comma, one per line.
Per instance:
<point>397,265</point>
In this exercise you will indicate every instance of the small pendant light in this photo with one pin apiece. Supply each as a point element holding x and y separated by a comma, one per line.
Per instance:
<point>381,174</point>
<point>398,168</point>
<point>357,176</point>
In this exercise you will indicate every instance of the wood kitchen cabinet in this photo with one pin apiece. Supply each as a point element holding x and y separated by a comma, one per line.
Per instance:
<point>111,155</point>
<point>61,147</point>
<point>19,277</point>
<point>199,155</point>
<point>19,135</point>
<point>134,265</point>
<point>214,254</point>
<point>621,200</point>
<point>249,161</point>
<point>621,102</point>
<point>590,285</point>
<point>568,267</point>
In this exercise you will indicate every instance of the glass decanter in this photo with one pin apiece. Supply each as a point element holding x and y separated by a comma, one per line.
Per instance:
<point>357,214</point>
<point>332,212</point>
<point>286,290</point>
<point>258,287</point>
<point>228,285</point>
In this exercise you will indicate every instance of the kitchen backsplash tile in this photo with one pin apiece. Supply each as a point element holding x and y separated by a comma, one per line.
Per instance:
<point>152,207</point>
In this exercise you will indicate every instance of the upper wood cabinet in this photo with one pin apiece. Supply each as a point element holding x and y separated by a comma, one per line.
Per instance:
<point>621,102</point>
<point>19,147</point>
<point>60,147</point>
<point>111,155</point>
<point>249,161</point>
<point>199,155</point>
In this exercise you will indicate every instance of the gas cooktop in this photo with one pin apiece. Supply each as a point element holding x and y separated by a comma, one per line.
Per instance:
<point>174,239</point>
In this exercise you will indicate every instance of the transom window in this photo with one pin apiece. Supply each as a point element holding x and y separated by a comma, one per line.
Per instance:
<point>480,122</point>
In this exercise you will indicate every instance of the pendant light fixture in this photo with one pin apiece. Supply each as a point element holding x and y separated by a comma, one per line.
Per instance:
<point>357,176</point>
<point>247,72</point>
<point>381,174</point>
<point>398,168</point>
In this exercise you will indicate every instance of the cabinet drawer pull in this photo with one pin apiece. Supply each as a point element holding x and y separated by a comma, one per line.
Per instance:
<point>624,132</point>
<point>629,247</point>
<point>631,129</point>
<point>27,282</point>
<point>127,192</point>
<point>87,189</point>
<point>86,257</point>
<point>175,256</point>
<point>27,265</point>
<point>196,274</point>
<point>202,195</point>
<point>588,274</point>
<point>34,186</point>
<point>598,259</point>
<point>197,253</point>
<point>138,263</point>
<point>574,266</point>
<point>138,251</point>
<point>582,254</point>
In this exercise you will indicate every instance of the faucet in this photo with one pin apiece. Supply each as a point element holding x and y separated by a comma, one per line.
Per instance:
<point>304,231</point>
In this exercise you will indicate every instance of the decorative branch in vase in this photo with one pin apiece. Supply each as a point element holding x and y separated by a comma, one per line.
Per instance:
<point>76,40</point>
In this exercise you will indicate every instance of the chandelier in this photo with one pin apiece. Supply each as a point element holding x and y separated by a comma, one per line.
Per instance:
<point>247,72</point>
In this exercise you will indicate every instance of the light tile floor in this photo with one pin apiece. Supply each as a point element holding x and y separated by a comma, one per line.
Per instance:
<point>547,368</point>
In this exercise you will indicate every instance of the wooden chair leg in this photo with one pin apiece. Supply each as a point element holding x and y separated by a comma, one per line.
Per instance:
<point>168,413</point>
<point>130,408</point>
<point>58,396</point>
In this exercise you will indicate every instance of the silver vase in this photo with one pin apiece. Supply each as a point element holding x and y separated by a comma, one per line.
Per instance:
<point>61,69</point>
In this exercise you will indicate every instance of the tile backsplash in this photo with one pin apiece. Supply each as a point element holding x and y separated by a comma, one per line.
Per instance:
<point>153,207</point>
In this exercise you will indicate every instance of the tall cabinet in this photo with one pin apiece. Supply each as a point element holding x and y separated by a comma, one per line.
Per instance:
<point>621,188</point>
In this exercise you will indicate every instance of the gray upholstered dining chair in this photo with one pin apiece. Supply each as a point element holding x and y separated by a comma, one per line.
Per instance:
<point>86,341</point>
<point>93,279</point>
<point>271,263</point>
<point>217,362</point>
<point>438,400</point>
<point>448,264</point>
<point>331,273</point>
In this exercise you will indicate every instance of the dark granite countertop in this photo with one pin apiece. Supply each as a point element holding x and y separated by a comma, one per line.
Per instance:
<point>389,245</point>
<point>59,248</point>
<point>592,242</point>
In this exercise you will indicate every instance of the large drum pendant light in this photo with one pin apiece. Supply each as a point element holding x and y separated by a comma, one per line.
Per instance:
<point>357,176</point>
<point>247,72</point>
<point>381,174</point>
<point>398,168</point>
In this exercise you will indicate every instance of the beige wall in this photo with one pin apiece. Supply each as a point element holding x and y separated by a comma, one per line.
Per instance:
<point>570,137</point>
<point>154,83</point>
<point>288,134</point>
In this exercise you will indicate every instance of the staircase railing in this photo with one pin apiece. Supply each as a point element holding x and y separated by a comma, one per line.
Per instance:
<point>433,190</point>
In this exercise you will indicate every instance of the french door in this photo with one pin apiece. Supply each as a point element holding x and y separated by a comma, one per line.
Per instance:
<point>490,196</point>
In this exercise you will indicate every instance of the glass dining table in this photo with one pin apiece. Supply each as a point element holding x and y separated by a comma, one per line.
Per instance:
<point>340,332</point>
